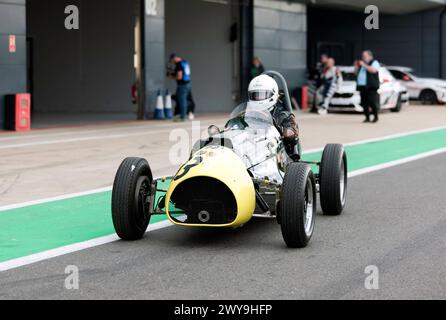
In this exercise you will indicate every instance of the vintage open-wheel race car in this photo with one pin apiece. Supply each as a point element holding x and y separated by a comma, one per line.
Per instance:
<point>237,173</point>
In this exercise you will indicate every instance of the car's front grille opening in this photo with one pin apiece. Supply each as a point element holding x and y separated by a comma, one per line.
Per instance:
<point>204,200</point>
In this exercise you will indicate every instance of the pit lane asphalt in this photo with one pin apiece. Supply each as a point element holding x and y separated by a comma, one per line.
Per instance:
<point>395,219</point>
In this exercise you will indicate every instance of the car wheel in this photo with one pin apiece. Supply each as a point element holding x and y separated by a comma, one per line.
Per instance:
<point>428,97</point>
<point>130,198</point>
<point>298,205</point>
<point>399,104</point>
<point>333,179</point>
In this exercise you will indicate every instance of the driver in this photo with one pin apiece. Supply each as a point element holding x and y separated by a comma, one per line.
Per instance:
<point>263,93</point>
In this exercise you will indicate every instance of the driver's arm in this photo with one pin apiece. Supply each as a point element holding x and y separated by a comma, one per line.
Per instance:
<point>286,123</point>
<point>290,130</point>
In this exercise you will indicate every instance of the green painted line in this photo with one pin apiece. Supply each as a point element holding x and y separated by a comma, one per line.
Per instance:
<point>47,226</point>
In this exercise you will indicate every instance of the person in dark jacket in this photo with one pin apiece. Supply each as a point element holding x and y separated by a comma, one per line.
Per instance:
<point>256,67</point>
<point>367,70</point>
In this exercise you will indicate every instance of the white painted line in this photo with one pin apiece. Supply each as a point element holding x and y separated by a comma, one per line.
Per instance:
<point>52,199</point>
<point>90,138</point>
<point>384,138</point>
<point>20,262</point>
<point>62,197</point>
<point>45,255</point>
<point>66,133</point>
<point>112,128</point>
<point>396,162</point>
<point>80,139</point>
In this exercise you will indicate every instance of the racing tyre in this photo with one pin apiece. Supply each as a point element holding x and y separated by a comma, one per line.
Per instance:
<point>298,205</point>
<point>333,179</point>
<point>131,199</point>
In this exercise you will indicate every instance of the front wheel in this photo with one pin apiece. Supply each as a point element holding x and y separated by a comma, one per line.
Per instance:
<point>333,179</point>
<point>131,199</point>
<point>298,205</point>
<point>399,104</point>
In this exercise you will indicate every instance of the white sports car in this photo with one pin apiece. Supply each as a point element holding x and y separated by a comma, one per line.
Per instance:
<point>347,98</point>
<point>427,90</point>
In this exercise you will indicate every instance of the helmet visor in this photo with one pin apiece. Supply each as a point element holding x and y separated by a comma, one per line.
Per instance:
<point>260,95</point>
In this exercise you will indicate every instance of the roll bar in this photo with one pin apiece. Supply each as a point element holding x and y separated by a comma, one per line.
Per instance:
<point>282,83</point>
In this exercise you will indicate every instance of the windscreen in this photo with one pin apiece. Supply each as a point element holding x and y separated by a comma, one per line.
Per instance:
<point>249,115</point>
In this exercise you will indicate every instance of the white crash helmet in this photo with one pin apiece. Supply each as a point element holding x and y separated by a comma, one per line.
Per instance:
<point>263,92</point>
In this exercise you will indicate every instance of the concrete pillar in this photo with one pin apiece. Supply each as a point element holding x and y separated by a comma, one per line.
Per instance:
<point>13,77</point>
<point>154,60</point>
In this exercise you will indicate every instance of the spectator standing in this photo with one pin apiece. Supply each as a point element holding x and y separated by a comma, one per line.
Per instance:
<point>256,67</point>
<point>367,70</point>
<point>182,74</point>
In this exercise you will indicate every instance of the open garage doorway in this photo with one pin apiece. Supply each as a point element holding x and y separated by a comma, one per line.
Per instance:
<point>205,33</point>
<point>84,75</point>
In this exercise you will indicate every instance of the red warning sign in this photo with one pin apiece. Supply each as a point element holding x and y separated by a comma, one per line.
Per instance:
<point>12,44</point>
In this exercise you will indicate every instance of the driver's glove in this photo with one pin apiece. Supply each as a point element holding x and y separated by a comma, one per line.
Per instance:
<point>289,134</point>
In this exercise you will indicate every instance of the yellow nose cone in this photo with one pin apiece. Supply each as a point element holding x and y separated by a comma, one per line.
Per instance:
<point>213,189</point>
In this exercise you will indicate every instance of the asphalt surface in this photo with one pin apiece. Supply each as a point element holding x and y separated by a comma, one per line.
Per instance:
<point>395,219</point>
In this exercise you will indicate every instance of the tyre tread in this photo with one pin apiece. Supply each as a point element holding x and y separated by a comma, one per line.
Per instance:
<point>329,179</point>
<point>292,204</point>
<point>122,198</point>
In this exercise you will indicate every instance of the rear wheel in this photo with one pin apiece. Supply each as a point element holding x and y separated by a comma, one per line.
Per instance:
<point>298,205</point>
<point>428,97</point>
<point>131,199</point>
<point>333,179</point>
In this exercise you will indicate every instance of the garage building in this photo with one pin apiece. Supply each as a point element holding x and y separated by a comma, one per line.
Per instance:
<point>86,74</point>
